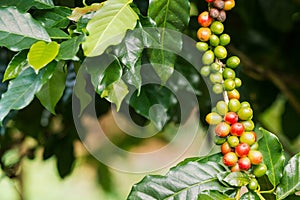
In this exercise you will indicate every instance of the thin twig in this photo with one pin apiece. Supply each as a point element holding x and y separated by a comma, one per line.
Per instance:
<point>260,73</point>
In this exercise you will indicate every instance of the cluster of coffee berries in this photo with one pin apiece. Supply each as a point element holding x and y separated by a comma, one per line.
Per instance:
<point>234,131</point>
<point>230,118</point>
<point>218,8</point>
<point>213,43</point>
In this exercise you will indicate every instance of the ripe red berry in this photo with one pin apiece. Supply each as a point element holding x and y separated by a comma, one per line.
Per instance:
<point>255,157</point>
<point>209,1</point>
<point>231,117</point>
<point>237,129</point>
<point>230,159</point>
<point>244,163</point>
<point>242,150</point>
<point>225,148</point>
<point>222,129</point>
<point>204,19</point>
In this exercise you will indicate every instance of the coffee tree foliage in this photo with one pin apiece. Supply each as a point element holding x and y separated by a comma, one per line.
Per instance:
<point>44,43</point>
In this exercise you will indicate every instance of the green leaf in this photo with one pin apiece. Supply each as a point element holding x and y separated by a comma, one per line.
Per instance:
<point>237,179</point>
<point>214,195</point>
<point>53,18</point>
<point>22,5</point>
<point>68,49</point>
<point>43,4</point>
<point>108,26</point>
<point>64,152</point>
<point>16,65</point>
<point>41,53</point>
<point>53,90</point>
<point>129,52</point>
<point>104,70</point>
<point>18,30</point>
<point>250,195</point>
<point>56,33</point>
<point>80,89</point>
<point>181,182</point>
<point>116,92</point>
<point>21,90</point>
<point>290,182</point>
<point>168,15</point>
<point>146,104</point>
<point>273,156</point>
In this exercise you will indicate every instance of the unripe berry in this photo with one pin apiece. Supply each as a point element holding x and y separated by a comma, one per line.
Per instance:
<point>255,157</point>
<point>213,118</point>
<point>248,137</point>
<point>233,141</point>
<point>260,170</point>
<point>217,27</point>
<point>202,46</point>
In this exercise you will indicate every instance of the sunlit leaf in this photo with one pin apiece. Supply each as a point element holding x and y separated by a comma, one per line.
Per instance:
<point>250,195</point>
<point>214,195</point>
<point>237,179</point>
<point>116,92</point>
<point>18,30</point>
<point>108,26</point>
<point>185,181</point>
<point>41,53</point>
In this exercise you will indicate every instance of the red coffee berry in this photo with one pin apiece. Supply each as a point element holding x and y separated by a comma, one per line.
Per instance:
<point>225,148</point>
<point>244,163</point>
<point>204,19</point>
<point>230,159</point>
<point>242,150</point>
<point>222,129</point>
<point>231,117</point>
<point>237,129</point>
